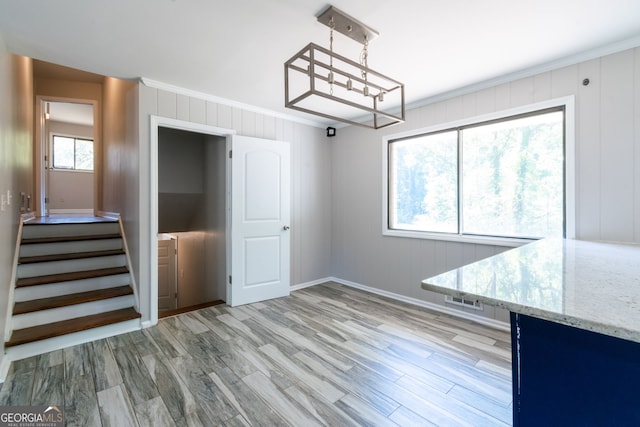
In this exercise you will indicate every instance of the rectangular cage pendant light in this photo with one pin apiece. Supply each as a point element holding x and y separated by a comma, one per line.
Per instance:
<point>321,82</point>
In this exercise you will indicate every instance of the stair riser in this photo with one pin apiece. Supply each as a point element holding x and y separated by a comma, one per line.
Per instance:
<point>72,287</point>
<point>43,346</point>
<point>39,249</point>
<point>42,317</point>
<point>68,266</point>
<point>57,230</point>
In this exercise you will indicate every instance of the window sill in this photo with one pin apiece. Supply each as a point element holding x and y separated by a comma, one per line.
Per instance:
<point>459,238</point>
<point>70,170</point>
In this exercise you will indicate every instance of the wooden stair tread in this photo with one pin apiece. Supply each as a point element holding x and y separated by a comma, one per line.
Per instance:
<point>45,221</point>
<point>62,239</point>
<point>68,277</point>
<point>65,257</point>
<point>70,299</point>
<point>56,329</point>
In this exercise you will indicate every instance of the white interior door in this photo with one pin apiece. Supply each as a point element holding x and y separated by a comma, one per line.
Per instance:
<point>260,220</point>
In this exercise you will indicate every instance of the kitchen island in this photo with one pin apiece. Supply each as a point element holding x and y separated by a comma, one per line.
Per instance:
<point>575,327</point>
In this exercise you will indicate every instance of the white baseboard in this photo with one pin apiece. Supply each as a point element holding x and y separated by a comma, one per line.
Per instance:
<point>147,324</point>
<point>493,323</point>
<point>309,284</point>
<point>111,215</point>
<point>5,364</point>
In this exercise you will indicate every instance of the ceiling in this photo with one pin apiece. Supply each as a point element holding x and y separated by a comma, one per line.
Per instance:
<point>236,49</point>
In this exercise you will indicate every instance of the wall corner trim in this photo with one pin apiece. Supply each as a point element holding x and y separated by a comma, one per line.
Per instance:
<point>5,364</point>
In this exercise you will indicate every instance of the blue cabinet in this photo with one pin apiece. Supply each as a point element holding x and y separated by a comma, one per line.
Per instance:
<point>565,376</point>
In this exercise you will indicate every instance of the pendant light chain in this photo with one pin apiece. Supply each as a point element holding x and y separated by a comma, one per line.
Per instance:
<point>364,56</point>
<point>331,27</point>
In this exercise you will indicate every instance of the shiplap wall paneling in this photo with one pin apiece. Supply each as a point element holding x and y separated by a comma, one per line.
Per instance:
<point>521,92</point>
<point>211,118</point>
<point>182,108</point>
<point>542,87</point>
<point>225,116</point>
<point>589,190</point>
<point>197,111</point>
<point>617,155</point>
<point>167,104</point>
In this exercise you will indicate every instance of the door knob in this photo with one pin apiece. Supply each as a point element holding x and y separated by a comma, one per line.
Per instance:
<point>285,228</point>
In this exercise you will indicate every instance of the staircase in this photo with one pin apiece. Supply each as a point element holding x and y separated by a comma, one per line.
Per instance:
<point>72,278</point>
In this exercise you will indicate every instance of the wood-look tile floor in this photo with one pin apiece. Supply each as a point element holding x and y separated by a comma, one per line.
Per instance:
<point>326,355</point>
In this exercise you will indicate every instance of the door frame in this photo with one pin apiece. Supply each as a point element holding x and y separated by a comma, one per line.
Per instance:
<point>155,123</point>
<point>42,150</point>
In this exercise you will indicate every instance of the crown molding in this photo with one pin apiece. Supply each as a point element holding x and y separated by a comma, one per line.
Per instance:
<point>228,102</point>
<point>556,64</point>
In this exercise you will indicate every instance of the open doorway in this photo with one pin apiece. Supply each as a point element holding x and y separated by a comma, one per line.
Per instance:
<point>244,181</point>
<point>70,143</point>
<point>68,180</point>
<point>191,196</point>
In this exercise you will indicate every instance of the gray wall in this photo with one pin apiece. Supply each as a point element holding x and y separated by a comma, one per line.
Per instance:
<point>16,160</point>
<point>607,174</point>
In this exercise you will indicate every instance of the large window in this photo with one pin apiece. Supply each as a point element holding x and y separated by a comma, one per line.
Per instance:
<point>497,178</point>
<point>72,153</point>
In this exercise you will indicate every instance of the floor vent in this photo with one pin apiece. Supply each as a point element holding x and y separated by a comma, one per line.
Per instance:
<point>474,304</point>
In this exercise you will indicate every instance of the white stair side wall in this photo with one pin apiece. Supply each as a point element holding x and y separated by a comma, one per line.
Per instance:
<point>49,290</point>
<point>40,249</point>
<point>42,317</point>
<point>51,344</point>
<point>133,283</point>
<point>69,266</point>
<point>69,229</point>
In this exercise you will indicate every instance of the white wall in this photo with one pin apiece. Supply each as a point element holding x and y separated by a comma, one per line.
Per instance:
<point>311,173</point>
<point>607,174</point>
<point>16,124</point>
<point>70,191</point>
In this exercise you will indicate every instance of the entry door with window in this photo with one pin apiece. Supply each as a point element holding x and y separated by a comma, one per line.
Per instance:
<point>70,177</point>
<point>260,220</point>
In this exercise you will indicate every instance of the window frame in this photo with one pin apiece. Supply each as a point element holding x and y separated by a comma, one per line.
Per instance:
<point>52,135</point>
<point>569,171</point>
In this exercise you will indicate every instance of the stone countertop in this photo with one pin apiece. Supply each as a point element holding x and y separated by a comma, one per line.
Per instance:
<point>588,285</point>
